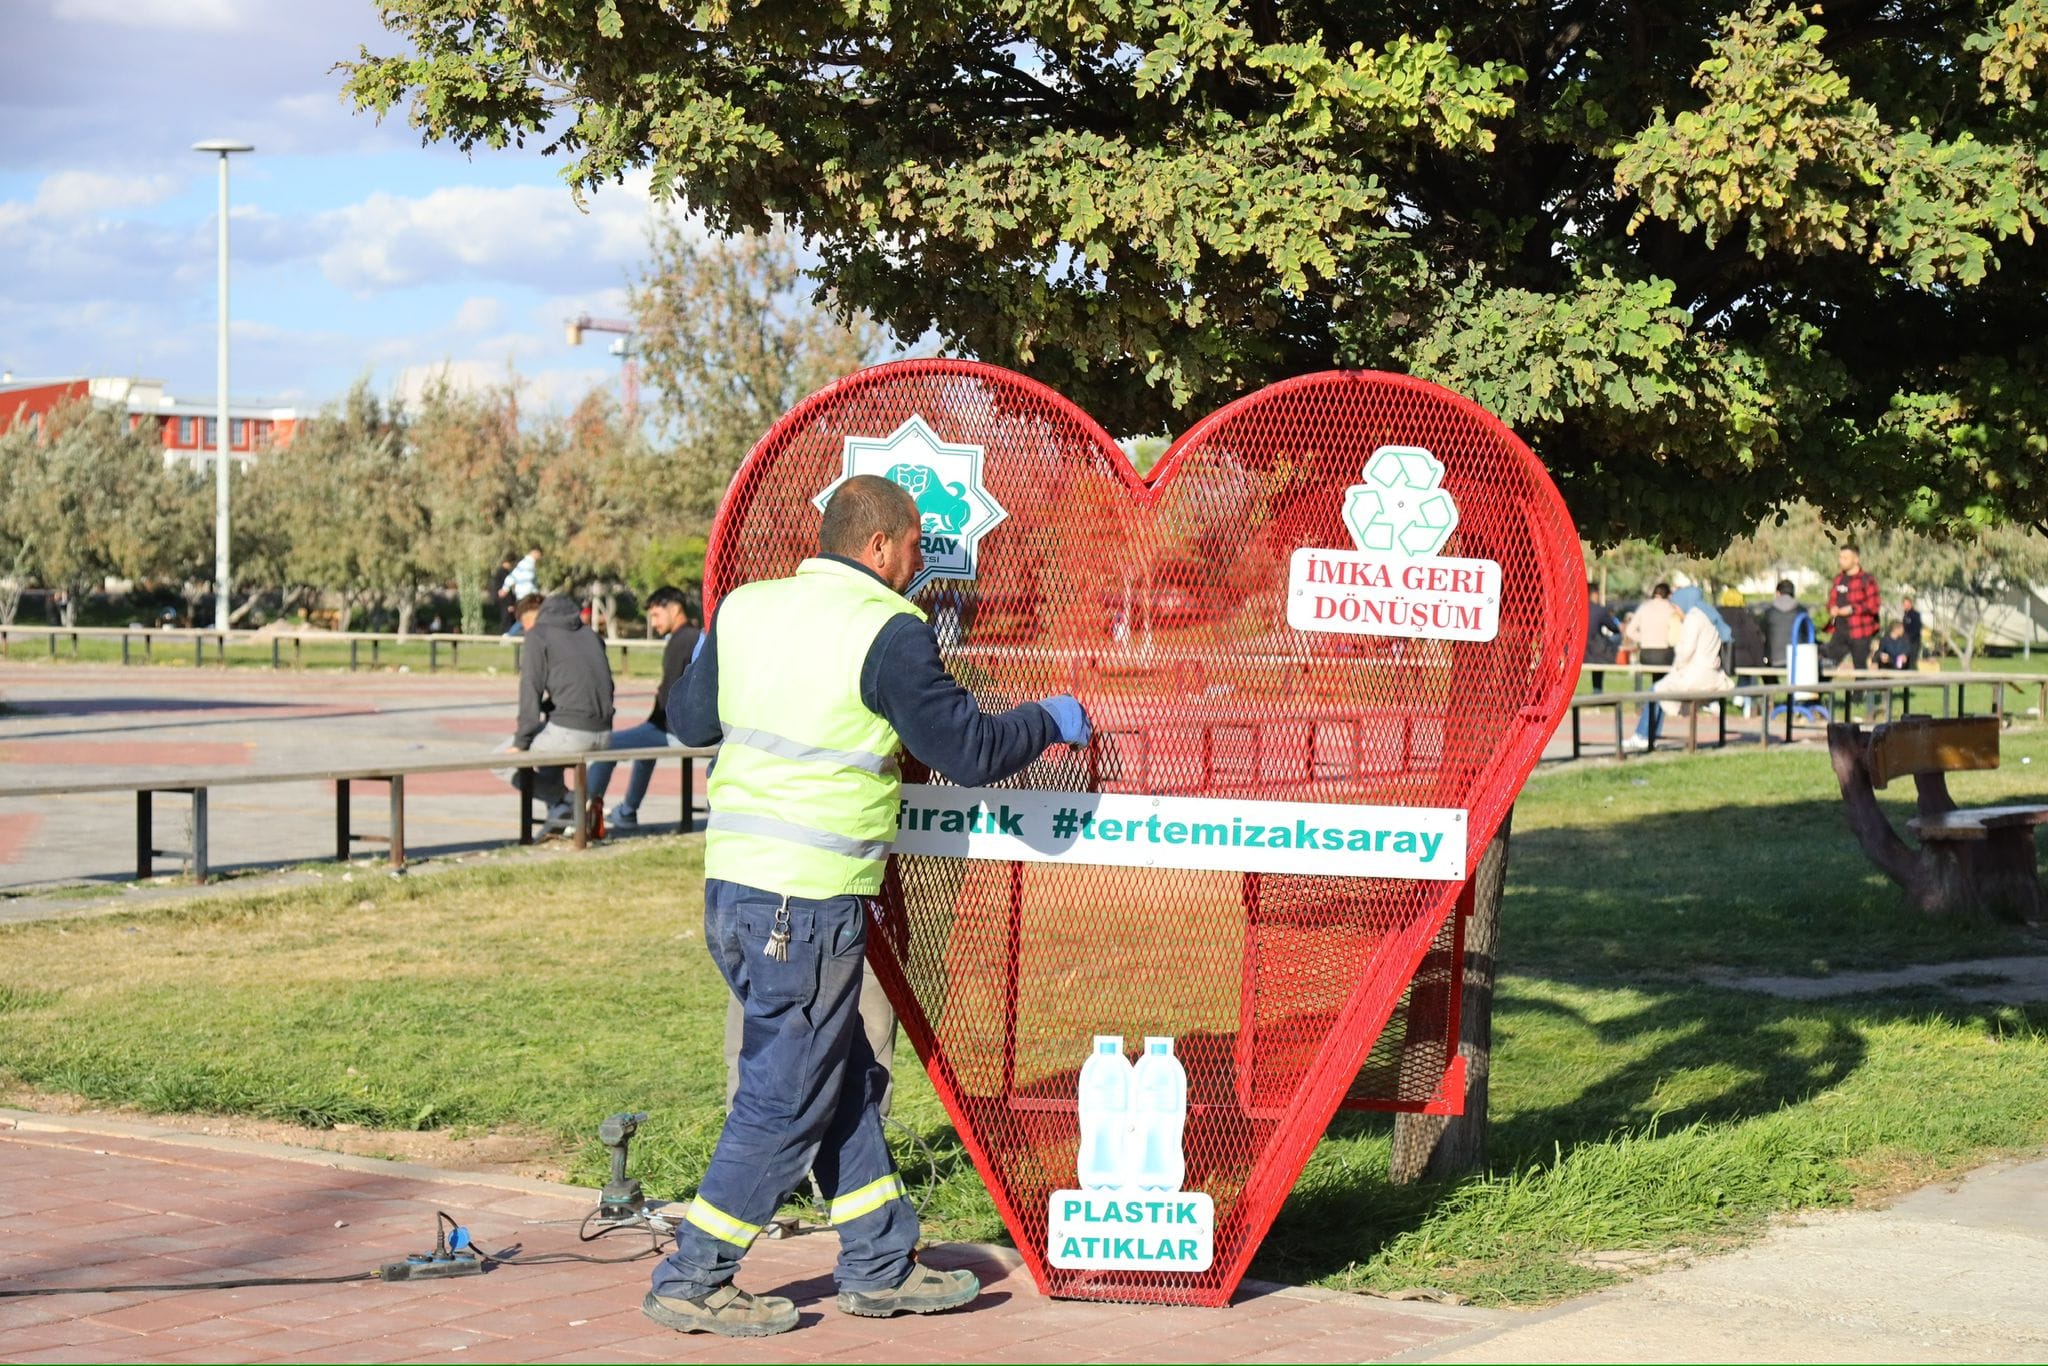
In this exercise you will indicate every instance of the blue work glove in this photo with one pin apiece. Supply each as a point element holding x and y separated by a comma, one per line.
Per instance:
<point>1066,713</point>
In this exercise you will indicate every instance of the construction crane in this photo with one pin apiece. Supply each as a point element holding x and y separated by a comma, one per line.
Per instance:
<point>626,348</point>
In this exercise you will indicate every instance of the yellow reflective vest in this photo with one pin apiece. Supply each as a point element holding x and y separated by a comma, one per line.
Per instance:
<point>804,794</point>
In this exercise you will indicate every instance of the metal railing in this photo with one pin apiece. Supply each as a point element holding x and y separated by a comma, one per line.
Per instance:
<point>196,786</point>
<point>148,643</point>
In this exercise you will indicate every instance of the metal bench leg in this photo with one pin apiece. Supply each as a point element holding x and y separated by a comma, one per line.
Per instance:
<point>341,820</point>
<point>145,837</point>
<point>199,835</point>
<point>579,802</point>
<point>523,780</point>
<point>689,795</point>
<point>397,785</point>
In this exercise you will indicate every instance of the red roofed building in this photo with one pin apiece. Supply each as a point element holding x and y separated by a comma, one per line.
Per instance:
<point>186,429</point>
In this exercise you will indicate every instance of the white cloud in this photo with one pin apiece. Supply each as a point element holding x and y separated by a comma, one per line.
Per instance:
<point>479,313</point>
<point>515,232</point>
<point>75,194</point>
<point>535,392</point>
<point>177,14</point>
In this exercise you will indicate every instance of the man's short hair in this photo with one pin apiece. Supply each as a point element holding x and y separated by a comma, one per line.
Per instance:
<point>667,596</point>
<point>1662,590</point>
<point>1851,547</point>
<point>862,506</point>
<point>1785,587</point>
<point>530,603</point>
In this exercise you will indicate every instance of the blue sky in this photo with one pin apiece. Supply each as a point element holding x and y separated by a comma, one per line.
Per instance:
<point>357,252</point>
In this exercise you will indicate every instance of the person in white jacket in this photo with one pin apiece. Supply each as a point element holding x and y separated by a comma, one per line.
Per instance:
<point>1695,664</point>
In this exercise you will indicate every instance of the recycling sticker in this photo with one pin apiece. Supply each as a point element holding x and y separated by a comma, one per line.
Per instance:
<point>1395,583</point>
<point>954,507</point>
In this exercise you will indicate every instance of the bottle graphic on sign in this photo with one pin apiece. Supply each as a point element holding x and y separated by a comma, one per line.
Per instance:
<point>1129,1213</point>
<point>1159,1119</point>
<point>1105,1114</point>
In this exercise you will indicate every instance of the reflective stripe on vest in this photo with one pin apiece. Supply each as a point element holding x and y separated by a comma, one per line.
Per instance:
<point>741,823</point>
<point>771,743</point>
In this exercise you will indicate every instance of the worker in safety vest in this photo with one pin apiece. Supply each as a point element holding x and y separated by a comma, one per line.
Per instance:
<point>812,684</point>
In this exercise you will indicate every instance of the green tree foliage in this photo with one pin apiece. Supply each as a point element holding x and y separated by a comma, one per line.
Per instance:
<point>730,342</point>
<point>1957,578</point>
<point>341,510</point>
<point>1708,263</point>
<point>478,481</point>
<point>599,493</point>
<point>84,498</point>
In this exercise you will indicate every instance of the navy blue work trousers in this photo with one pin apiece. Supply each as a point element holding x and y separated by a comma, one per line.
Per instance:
<point>807,1100</point>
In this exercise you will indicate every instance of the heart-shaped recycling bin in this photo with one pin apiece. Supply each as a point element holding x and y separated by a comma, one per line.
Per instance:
<point>1323,644</point>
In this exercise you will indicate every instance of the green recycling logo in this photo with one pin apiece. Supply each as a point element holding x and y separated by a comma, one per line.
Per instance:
<point>1401,508</point>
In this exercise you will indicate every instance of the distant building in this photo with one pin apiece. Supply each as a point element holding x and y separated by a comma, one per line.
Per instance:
<point>186,429</point>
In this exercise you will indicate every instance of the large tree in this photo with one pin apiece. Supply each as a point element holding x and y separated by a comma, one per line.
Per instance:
<point>1707,262</point>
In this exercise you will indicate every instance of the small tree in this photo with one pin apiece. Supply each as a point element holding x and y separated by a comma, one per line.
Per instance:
<point>732,336</point>
<point>85,500</point>
<point>476,485</point>
<point>598,488</point>
<point>1959,577</point>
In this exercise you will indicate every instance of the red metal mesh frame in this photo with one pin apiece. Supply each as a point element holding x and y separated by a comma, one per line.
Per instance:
<point>1160,603</point>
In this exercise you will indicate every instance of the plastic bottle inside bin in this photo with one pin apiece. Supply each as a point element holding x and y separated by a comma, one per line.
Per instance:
<point>1160,1099</point>
<point>1105,1114</point>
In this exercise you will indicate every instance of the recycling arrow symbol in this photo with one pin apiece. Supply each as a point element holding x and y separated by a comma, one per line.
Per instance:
<point>1401,507</point>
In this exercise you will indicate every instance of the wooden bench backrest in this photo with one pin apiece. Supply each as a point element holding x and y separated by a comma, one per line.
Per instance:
<point>1931,744</point>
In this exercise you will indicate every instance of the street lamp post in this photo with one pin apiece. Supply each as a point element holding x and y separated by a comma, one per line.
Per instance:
<point>223,148</point>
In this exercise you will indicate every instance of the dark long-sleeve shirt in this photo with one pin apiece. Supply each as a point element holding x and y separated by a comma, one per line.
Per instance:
<point>675,657</point>
<point>904,682</point>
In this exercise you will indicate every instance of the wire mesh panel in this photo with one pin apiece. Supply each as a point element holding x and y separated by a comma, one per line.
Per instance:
<point>1162,604</point>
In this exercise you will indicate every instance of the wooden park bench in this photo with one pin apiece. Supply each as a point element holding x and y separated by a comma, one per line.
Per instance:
<point>1971,860</point>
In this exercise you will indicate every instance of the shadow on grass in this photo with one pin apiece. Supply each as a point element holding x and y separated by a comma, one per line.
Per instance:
<point>1780,887</point>
<point>1698,1056</point>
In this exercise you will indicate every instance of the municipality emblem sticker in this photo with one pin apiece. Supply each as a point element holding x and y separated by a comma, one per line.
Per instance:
<point>955,509</point>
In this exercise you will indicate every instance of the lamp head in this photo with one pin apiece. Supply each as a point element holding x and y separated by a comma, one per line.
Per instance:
<point>223,146</point>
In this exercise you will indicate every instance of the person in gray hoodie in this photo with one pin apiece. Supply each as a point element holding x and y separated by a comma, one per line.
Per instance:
<point>565,695</point>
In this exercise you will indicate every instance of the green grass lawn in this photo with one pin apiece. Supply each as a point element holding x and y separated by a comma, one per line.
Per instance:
<point>1633,1106</point>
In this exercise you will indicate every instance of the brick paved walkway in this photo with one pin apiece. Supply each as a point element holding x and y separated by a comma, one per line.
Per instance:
<point>130,1204</point>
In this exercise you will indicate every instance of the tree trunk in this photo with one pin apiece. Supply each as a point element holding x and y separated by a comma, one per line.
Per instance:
<point>1432,1147</point>
<point>407,603</point>
<point>608,603</point>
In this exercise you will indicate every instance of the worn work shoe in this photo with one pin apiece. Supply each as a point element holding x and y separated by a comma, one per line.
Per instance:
<point>727,1311</point>
<point>924,1291</point>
